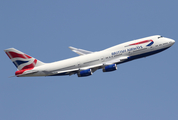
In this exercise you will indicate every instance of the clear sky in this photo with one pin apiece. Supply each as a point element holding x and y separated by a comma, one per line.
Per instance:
<point>144,89</point>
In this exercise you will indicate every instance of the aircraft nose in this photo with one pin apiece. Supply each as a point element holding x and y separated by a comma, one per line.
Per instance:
<point>172,41</point>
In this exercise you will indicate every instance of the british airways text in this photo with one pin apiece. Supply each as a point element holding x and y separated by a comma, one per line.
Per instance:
<point>126,50</point>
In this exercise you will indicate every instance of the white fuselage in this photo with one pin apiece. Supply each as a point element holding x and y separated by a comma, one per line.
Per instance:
<point>132,49</point>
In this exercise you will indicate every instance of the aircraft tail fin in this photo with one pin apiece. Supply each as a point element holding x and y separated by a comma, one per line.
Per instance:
<point>21,60</point>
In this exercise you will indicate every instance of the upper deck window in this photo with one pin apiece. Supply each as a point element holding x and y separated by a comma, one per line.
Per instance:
<point>160,37</point>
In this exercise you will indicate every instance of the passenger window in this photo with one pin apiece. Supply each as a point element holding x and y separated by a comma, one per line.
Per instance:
<point>164,43</point>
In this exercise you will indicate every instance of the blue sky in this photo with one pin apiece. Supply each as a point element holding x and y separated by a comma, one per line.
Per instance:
<point>142,89</point>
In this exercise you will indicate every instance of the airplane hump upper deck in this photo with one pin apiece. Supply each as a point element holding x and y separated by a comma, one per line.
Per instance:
<point>129,43</point>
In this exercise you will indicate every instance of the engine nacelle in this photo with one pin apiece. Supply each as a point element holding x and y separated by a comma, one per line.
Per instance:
<point>110,68</point>
<point>84,73</point>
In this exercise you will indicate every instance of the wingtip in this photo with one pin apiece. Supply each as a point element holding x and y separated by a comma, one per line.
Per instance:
<point>72,48</point>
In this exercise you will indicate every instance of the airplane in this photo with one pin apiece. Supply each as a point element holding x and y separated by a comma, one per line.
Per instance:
<point>88,62</point>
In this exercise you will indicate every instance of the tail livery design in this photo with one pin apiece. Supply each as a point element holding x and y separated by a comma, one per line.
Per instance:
<point>22,61</point>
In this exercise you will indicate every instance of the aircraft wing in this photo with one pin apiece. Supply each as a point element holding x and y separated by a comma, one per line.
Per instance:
<point>80,51</point>
<point>74,71</point>
<point>93,67</point>
<point>67,72</point>
<point>117,60</point>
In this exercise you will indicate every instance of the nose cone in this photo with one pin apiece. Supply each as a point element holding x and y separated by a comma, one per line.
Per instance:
<point>172,41</point>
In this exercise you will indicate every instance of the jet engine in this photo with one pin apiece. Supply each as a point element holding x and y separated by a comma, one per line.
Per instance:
<point>110,68</point>
<point>84,73</point>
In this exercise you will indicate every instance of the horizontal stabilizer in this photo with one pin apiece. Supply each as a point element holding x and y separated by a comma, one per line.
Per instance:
<point>27,72</point>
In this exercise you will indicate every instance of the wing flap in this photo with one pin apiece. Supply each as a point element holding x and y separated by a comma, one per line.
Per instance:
<point>91,67</point>
<point>65,71</point>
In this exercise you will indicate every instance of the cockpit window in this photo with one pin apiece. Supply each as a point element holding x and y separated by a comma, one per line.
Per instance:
<point>160,37</point>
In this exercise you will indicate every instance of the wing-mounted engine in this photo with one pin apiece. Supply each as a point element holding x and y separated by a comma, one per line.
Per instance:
<point>85,73</point>
<point>110,68</point>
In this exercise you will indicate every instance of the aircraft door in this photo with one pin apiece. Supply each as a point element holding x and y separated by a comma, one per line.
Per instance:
<point>78,64</point>
<point>102,59</point>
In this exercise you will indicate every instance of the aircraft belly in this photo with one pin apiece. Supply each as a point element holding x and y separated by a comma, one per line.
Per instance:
<point>133,57</point>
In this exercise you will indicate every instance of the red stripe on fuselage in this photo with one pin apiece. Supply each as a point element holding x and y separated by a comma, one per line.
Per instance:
<point>145,41</point>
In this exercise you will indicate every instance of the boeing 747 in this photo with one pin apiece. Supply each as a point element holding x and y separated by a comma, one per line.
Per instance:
<point>88,62</point>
